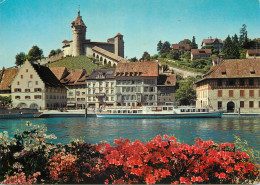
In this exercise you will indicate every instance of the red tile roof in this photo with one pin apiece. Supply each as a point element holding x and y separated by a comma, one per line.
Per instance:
<point>78,21</point>
<point>75,77</point>
<point>211,41</point>
<point>201,51</point>
<point>235,68</point>
<point>180,46</point>
<point>59,72</point>
<point>253,51</point>
<point>139,69</point>
<point>167,80</point>
<point>7,77</point>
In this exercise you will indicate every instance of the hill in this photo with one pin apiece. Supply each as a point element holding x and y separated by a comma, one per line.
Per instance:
<point>79,62</point>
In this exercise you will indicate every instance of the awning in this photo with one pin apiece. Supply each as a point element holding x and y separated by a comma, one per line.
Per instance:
<point>71,104</point>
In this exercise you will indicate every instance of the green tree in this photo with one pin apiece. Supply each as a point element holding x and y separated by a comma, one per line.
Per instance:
<point>243,36</point>
<point>193,44</point>
<point>213,49</point>
<point>166,48</point>
<point>174,55</point>
<point>230,49</point>
<point>134,59</point>
<point>20,58</point>
<point>159,46</point>
<point>185,95</point>
<point>35,53</point>
<point>146,56</point>
<point>52,53</point>
<point>5,100</point>
<point>58,51</point>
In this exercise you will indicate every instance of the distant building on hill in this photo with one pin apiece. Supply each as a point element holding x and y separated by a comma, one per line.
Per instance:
<point>182,48</point>
<point>253,53</point>
<point>232,85</point>
<point>216,42</point>
<point>200,53</point>
<point>79,45</point>
<point>35,86</point>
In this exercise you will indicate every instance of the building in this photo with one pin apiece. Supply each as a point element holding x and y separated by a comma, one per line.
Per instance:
<point>136,83</point>
<point>101,88</point>
<point>166,86</point>
<point>253,53</point>
<point>35,86</point>
<point>79,45</point>
<point>182,48</point>
<point>232,85</point>
<point>6,78</point>
<point>218,43</point>
<point>76,83</point>
<point>200,53</point>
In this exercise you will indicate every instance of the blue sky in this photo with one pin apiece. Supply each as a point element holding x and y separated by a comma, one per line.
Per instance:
<point>46,23</point>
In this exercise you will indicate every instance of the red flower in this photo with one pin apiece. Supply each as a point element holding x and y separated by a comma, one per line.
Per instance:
<point>199,179</point>
<point>172,139</point>
<point>165,137</point>
<point>183,180</point>
<point>176,182</point>
<point>193,179</point>
<point>222,175</point>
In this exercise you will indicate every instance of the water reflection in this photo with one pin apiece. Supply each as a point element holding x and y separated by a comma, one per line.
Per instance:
<point>95,130</point>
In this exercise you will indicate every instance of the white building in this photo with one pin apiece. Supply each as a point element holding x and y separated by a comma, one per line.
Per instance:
<point>35,86</point>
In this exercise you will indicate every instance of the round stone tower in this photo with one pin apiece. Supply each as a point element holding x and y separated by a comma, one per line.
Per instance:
<point>78,35</point>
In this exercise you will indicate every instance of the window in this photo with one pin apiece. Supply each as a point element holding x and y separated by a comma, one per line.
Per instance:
<point>27,97</point>
<point>219,93</point>
<point>219,82</point>
<point>26,70</point>
<point>17,97</point>
<point>251,81</point>
<point>37,97</point>
<point>219,105</point>
<point>251,93</point>
<point>37,90</point>
<point>83,93</point>
<point>36,82</point>
<point>31,76</point>
<point>18,83</point>
<point>231,82</point>
<point>242,93</point>
<point>242,82</point>
<point>251,104</point>
<point>231,93</point>
<point>78,93</point>
<point>259,93</point>
<point>21,76</point>
<point>242,104</point>
<point>17,90</point>
<point>259,104</point>
<point>27,90</point>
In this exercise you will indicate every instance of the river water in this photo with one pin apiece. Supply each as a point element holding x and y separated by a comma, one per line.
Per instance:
<point>95,130</point>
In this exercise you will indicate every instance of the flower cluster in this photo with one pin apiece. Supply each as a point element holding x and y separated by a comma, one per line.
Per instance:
<point>20,178</point>
<point>164,160</point>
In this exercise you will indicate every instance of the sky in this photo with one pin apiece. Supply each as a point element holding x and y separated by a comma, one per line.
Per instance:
<point>46,23</point>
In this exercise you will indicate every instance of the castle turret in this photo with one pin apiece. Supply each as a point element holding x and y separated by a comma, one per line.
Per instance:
<point>79,35</point>
<point>119,45</point>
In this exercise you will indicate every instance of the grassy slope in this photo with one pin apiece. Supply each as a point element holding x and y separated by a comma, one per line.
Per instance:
<point>80,62</point>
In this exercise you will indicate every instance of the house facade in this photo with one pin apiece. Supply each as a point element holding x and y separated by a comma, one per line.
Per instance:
<point>136,83</point>
<point>6,78</point>
<point>218,43</point>
<point>232,86</point>
<point>100,90</point>
<point>166,87</point>
<point>35,86</point>
<point>200,53</point>
<point>253,53</point>
<point>181,48</point>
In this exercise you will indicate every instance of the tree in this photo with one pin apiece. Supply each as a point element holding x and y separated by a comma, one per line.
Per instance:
<point>173,55</point>
<point>230,49</point>
<point>20,58</point>
<point>35,53</point>
<point>243,36</point>
<point>52,53</point>
<point>146,56</point>
<point>185,95</point>
<point>166,47</point>
<point>134,59</point>
<point>159,46</point>
<point>193,44</point>
<point>212,47</point>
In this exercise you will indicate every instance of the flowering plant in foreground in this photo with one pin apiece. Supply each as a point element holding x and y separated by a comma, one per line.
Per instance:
<point>164,160</point>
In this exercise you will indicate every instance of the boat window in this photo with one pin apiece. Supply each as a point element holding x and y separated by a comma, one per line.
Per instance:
<point>109,111</point>
<point>134,111</point>
<point>164,108</point>
<point>193,110</point>
<point>129,111</point>
<point>188,110</point>
<point>114,111</point>
<point>124,112</point>
<point>140,111</point>
<point>203,110</point>
<point>118,111</point>
<point>170,108</point>
<point>198,110</point>
<point>182,110</point>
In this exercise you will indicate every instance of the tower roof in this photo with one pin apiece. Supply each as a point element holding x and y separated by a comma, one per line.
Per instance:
<point>78,21</point>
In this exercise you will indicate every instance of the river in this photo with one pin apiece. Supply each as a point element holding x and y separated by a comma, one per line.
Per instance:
<point>95,130</point>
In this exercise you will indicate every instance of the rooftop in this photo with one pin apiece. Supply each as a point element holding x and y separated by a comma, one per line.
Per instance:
<point>180,46</point>
<point>253,51</point>
<point>167,80</point>
<point>200,51</point>
<point>109,54</point>
<point>102,74</point>
<point>6,78</point>
<point>211,41</point>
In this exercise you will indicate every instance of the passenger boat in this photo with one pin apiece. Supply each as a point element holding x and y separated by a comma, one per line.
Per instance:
<point>167,111</point>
